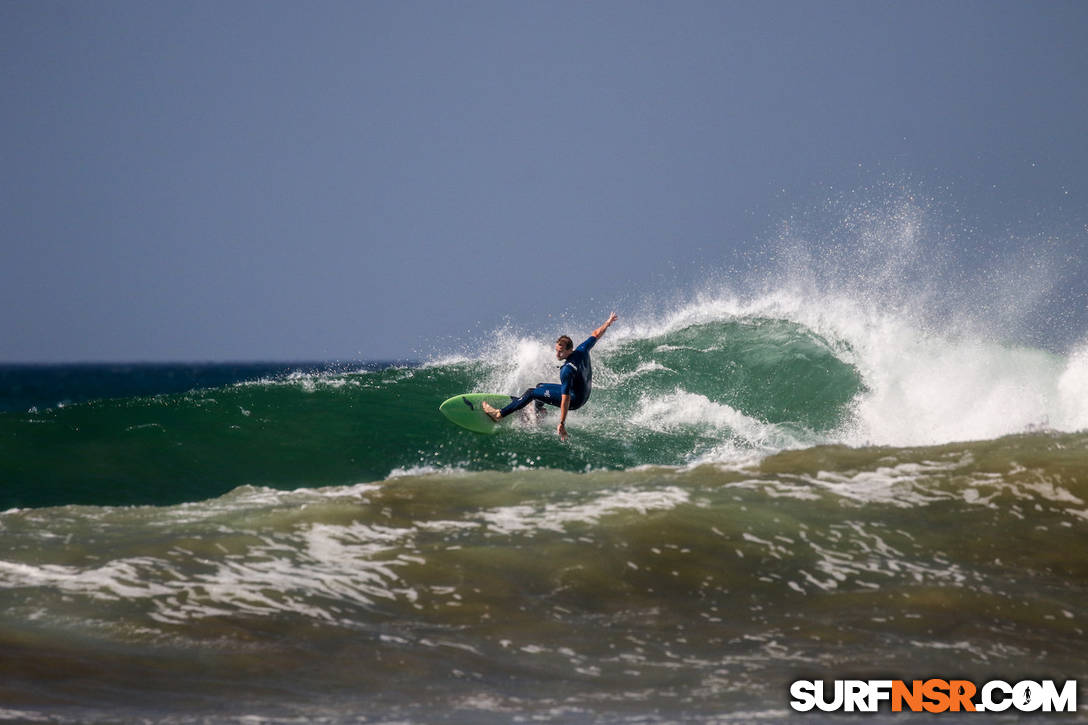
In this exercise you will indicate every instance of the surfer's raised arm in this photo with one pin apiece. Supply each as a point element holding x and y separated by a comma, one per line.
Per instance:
<point>607,323</point>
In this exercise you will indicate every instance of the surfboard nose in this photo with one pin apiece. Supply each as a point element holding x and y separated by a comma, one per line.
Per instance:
<point>467,410</point>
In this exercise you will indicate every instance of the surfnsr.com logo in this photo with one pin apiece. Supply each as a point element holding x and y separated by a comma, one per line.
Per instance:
<point>933,695</point>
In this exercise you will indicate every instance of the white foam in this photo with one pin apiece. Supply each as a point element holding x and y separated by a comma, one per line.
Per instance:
<point>116,580</point>
<point>681,409</point>
<point>898,485</point>
<point>934,340</point>
<point>650,366</point>
<point>935,389</point>
<point>24,716</point>
<point>921,385</point>
<point>1073,391</point>
<point>318,570</point>
<point>524,363</point>
<point>423,470</point>
<point>313,570</point>
<point>556,517</point>
<point>739,433</point>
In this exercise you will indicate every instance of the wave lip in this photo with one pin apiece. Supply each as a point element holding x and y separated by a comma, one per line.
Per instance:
<point>828,368</point>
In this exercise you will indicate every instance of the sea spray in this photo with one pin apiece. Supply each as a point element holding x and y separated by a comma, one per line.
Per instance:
<point>1073,391</point>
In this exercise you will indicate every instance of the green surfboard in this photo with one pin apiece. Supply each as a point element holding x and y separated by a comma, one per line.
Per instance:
<point>466,411</point>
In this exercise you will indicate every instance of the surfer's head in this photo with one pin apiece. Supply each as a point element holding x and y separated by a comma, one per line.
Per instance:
<point>564,346</point>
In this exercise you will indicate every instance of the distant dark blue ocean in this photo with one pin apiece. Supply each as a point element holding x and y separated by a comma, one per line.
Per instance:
<point>58,385</point>
<point>759,491</point>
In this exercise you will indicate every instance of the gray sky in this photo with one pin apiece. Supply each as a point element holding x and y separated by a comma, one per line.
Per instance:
<point>375,180</point>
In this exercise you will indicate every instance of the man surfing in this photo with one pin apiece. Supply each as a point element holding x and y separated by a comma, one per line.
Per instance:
<point>574,386</point>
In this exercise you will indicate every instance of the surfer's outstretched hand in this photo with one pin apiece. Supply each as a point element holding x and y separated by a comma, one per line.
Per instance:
<point>603,328</point>
<point>562,431</point>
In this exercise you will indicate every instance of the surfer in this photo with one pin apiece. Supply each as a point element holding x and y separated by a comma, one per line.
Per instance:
<point>575,381</point>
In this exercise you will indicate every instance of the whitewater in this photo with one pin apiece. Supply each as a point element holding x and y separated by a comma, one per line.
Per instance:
<point>848,374</point>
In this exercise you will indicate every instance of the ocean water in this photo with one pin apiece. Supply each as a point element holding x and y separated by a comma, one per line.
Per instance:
<point>796,483</point>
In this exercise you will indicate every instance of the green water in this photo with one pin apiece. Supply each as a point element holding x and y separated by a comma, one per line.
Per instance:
<point>340,428</point>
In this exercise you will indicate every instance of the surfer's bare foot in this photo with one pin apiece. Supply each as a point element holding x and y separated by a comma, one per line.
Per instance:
<point>492,412</point>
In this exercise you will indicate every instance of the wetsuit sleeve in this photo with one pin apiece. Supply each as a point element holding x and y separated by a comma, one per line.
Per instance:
<point>588,344</point>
